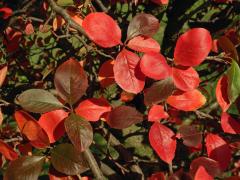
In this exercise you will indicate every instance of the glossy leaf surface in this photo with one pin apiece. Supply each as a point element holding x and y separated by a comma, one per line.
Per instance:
<point>162,140</point>
<point>192,47</point>
<point>102,29</point>
<point>127,73</point>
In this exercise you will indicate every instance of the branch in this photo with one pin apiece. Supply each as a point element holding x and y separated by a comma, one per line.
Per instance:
<point>66,17</point>
<point>93,164</point>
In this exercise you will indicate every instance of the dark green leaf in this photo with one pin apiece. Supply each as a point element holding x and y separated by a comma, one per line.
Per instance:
<point>142,24</point>
<point>79,132</point>
<point>70,81</point>
<point>66,159</point>
<point>124,116</point>
<point>24,168</point>
<point>233,75</point>
<point>158,92</point>
<point>38,101</point>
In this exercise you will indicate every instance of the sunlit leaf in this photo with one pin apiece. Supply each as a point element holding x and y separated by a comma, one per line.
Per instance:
<point>3,74</point>
<point>144,44</point>
<point>162,140</point>
<point>127,73</point>
<point>156,113</point>
<point>92,109</point>
<point>53,124</point>
<point>193,47</point>
<point>187,101</point>
<point>154,65</point>
<point>102,29</point>
<point>185,79</point>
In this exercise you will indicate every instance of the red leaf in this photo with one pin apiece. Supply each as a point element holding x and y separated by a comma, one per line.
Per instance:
<point>106,75</point>
<point>30,128</point>
<point>190,135</point>
<point>3,74</point>
<point>229,125</point>
<point>102,29</point>
<point>202,174</point>
<point>157,176</point>
<point>161,139</point>
<point>92,109</point>
<point>144,44</point>
<point>187,101</point>
<point>160,2</point>
<point>221,93</point>
<point>52,123</point>
<point>12,39</point>
<point>156,113</point>
<point>217,148</point>
<point>210,165</point>
<point>29,29</point>
<point>154,65</point>
<point>7,151</point>
<point>193,47</point>
<point>185,79</point>
<point>127,73</point>
<point>7,12</point>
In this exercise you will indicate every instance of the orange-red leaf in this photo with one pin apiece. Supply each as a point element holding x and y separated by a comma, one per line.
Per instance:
<point>185,79</point>
<point>156,113</point>
<point>127,73</point>
<point>102,29</point>
<point>192,47</point>
<point>187,101</point>
<point>162,140</point>
<point>217,148</point>
<point>202,174</point>
<point>221,93</point>
<point>229,125</point>
<point>154,65</point>
<point>7,151</point>
<point>3,74</point>
<point>144,44</point>
<point>92,109</point>
<point>30,128</point>
<point>106,75</point>
<point>52,122</point>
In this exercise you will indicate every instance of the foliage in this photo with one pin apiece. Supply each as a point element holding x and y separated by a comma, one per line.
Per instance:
<point>120,89</point>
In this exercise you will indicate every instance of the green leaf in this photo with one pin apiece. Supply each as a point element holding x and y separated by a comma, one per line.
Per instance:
<point>124,116</point>
<point>71,81</point>
<point>38,101</point>
<point>233,75</point>
<point>159,92</point>
<point>66,159</point>
<point>65,2</point>
<point>26,167</point>
<point>79,132</point>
